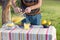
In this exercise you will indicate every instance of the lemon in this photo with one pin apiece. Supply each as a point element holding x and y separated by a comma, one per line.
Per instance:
<point>10,24</point>
<point>44,21</point>
<point>49,22</point>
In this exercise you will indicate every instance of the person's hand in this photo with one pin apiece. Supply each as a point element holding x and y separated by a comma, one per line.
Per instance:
<point>28,10</point>
<point>17,10</point>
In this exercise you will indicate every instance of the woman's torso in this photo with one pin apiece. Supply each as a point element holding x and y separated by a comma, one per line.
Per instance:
<point>27,3</point>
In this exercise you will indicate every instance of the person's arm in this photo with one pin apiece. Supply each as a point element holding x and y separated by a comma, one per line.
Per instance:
<point>16,8</point>
<point>13,3</point>
<point>37,5</point>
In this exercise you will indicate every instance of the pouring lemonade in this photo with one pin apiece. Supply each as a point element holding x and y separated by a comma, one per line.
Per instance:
<point>19,17</point>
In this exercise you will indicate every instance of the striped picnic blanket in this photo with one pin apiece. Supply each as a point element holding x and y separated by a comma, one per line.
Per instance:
<point>31,34</point>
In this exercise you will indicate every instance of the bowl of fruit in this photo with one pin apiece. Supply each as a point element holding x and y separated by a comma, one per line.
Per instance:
<point>46,23</point>
<point>8,26</point>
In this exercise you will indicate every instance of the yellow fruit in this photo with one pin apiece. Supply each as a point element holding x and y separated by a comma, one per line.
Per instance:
<point>26,26</point>
<point>17,19</point>
<point>10,24</point>
<point>49,22</point>
<point>44,22</point>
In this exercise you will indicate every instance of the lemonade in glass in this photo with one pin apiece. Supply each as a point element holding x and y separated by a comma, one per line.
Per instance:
<point>26,26</point>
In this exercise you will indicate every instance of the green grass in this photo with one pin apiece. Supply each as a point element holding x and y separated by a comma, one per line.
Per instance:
<point>0,16</point>
<point>50,11</point>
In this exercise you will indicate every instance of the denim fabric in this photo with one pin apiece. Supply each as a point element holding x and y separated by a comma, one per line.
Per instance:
<point>34,20</point>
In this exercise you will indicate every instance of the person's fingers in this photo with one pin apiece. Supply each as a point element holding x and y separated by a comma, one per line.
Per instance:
<point>20,9</point>
<point>26,11</point>
<point>17,10</point>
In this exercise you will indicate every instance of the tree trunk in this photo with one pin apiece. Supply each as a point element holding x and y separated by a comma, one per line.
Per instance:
<point>6,15</point>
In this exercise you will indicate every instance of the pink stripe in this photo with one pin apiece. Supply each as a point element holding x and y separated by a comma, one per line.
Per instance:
<point>10,33</point>
<point>27,34</point>
<point>54,38</point>
<point>37,34</point>
<point>47,34</point>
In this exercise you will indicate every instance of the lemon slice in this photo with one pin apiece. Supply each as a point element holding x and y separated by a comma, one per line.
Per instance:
<point>10,24</point>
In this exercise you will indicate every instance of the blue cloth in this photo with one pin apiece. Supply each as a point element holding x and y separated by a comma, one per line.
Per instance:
<point>34,20</point>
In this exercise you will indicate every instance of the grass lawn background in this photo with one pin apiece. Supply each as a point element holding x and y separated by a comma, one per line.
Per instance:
<point>50,11</point>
